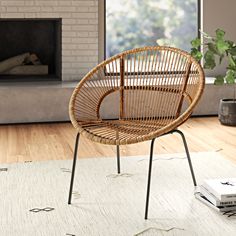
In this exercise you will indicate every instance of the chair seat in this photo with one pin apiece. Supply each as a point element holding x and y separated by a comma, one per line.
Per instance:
<point>120,132</point>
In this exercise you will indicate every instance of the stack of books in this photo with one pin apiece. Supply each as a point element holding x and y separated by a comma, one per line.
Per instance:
<point>219,194</point>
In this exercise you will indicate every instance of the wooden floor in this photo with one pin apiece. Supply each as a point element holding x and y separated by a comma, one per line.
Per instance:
<point>33,142</point>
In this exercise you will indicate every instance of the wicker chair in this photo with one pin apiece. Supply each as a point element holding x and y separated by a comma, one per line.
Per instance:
<point>155,89</point>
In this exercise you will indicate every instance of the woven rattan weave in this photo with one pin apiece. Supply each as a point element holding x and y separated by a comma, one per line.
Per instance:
<point>156,89</point>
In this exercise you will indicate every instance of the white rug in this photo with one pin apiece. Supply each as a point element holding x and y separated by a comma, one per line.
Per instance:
<point>107,205</point>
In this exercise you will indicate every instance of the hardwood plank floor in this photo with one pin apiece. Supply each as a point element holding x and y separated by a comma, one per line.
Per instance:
<point>34,142</point>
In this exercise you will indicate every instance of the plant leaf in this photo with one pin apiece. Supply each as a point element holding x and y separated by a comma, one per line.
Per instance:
<point>219,80</point>
<point>220,34</point>
<point>212,47</point>
<point>196,42</point>
<point>209,60</point>
<point>222,46</point>
<point>231,67</point>
<point>196,54</point>
<point>230,77</point>
<point>231,61</point>
<point>232,51</point>
<point>231,43</point>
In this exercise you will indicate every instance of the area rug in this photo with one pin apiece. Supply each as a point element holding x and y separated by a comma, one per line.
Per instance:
<point>34,197</point>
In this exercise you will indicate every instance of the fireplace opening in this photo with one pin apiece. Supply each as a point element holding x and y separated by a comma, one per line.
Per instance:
<point>30,50</point>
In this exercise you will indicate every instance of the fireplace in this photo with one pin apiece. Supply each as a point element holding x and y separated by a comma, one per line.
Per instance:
<point>30,49</point>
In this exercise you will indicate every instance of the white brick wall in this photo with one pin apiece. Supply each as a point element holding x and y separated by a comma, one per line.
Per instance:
<point>79,29</point>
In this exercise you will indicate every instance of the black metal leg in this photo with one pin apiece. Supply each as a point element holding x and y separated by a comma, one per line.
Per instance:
<point>73,168</point>
<point>188,155</point>
<point>149,178</point>
<point>118,158</point>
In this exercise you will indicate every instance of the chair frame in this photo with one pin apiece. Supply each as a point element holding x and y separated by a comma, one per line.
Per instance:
<point>170,128</point>
<point>149,169</point>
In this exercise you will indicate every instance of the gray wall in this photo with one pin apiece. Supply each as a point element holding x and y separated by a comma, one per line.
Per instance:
<point>219,14</point>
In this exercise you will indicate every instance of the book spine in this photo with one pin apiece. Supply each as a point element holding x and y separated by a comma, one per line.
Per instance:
<point>228,208</point>
<point>200,197</point>
<point>228,197</point>
<point>227,203</point>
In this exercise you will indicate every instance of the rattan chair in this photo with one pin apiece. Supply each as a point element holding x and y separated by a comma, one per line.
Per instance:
<point>154,89</point>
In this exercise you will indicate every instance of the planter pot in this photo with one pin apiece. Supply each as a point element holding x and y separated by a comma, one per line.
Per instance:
<point>227,112</point>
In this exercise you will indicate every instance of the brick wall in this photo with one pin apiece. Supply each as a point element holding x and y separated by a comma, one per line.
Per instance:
<point>79,29</point>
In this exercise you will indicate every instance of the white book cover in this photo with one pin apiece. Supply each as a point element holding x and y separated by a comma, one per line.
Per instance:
<point>213,199</point>
<point>223,189</point>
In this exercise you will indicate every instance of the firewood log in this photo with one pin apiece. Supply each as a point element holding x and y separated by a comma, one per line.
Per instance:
<point>33,59</point>
<point>13,62</point>
<point>28,70</point>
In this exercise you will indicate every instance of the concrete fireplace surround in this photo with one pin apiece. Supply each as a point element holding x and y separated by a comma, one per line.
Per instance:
<point>81,43</point>
<point>48,101</point>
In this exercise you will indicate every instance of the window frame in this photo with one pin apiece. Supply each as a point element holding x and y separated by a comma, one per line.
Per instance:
<point>102,27</point>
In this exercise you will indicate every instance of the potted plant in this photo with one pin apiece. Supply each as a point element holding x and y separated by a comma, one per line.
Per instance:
<point>215,49</point>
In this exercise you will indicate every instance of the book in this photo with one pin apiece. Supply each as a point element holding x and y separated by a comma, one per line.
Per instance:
<point>203,199</point>
<point>214,200</point>
<point>223,189</point>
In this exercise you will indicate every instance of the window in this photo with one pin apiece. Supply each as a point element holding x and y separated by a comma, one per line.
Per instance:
<point>135,23</point>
